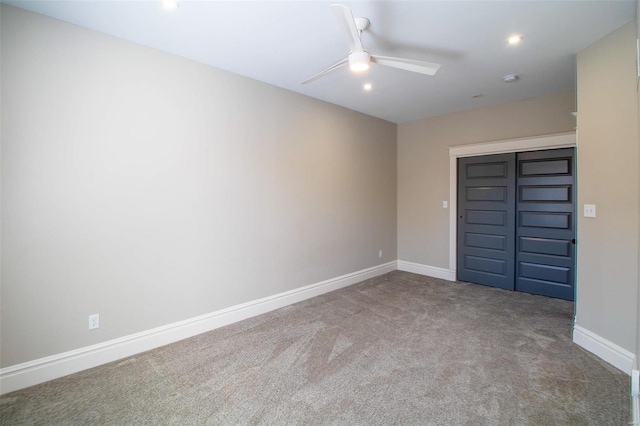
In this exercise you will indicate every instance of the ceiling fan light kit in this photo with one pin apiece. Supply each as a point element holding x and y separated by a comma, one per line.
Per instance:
<point>170,4</point>
<point>359,60</point>
<point>514,39</point>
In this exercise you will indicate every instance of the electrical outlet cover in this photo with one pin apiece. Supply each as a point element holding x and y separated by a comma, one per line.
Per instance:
<point>94,321</point>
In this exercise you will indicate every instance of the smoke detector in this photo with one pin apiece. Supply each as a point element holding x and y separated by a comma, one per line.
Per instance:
<point>510,78</point>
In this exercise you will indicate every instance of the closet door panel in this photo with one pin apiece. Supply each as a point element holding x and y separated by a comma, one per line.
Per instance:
<point>486,220</point>
<point>545,234</point>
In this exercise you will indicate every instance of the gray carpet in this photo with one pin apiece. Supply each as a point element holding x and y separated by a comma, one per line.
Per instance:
<point>393,350</point>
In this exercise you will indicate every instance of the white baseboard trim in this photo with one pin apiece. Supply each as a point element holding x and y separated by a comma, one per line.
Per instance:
<point>601,347</point>
<point>52,367</point>
<point>430,271</point>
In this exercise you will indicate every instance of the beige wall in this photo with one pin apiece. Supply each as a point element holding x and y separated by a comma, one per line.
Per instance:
<point>637,352</point>
<point>607,291</point>
<point>423,164</point>
<point>151,189</point>
<point>637,361</point>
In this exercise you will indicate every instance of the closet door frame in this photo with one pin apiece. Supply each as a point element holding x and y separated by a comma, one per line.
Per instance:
<point>560,140</point>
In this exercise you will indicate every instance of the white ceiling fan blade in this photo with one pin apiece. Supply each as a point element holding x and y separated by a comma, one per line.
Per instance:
<point>327,71</point>
<point>421,67</point>
<point>348,24</point>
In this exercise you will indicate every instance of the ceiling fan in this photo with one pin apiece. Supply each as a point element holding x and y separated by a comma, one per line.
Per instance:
<point>359,59</point>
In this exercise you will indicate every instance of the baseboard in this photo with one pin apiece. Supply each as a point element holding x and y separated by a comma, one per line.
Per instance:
<point>601,347</point>
<point>430,271</point>
<point>44,369</point>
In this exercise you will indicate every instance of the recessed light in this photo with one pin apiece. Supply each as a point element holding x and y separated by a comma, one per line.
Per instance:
<point>367,86</point>
<point>170,4</point>
<point>514,39</point>
<point>510,78</point>
<point>477,95</point>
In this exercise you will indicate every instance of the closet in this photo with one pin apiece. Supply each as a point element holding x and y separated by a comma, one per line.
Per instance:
<point>516,221</point>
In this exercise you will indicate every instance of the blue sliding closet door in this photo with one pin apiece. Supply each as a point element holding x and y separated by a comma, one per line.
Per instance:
<point>516,221</point>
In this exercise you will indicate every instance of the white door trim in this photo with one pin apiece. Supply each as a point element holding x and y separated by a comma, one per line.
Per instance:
<point>559,140</point>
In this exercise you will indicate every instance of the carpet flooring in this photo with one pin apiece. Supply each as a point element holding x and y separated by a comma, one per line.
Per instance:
<point>399,349</point>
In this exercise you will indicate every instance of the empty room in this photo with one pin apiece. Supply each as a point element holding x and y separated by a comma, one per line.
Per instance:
<point>308,212</point>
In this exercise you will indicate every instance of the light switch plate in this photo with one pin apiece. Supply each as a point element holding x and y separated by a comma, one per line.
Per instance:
<point>445,204</point>
<point>589,210</point>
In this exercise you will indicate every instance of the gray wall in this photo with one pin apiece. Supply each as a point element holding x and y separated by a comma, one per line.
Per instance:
<point>607,296</point>
<point>151,189</point>
<point>423,164</point>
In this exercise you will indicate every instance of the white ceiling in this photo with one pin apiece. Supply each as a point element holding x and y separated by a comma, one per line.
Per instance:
<point>285,42</point>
